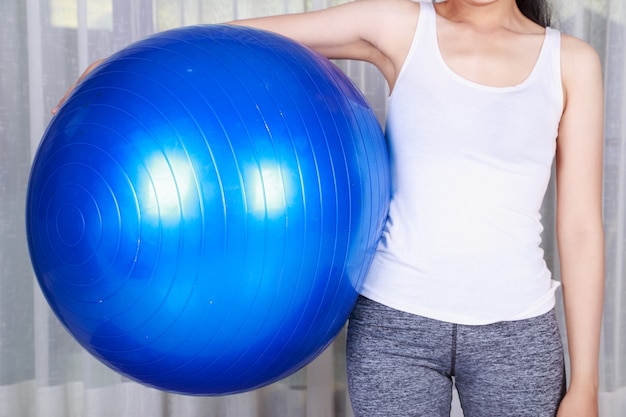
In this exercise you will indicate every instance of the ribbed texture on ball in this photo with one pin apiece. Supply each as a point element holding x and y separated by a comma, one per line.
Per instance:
<point>202,211</point>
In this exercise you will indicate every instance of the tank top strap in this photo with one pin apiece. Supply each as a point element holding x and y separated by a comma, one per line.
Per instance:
<point>549,63</point>
<point>427,24</point>
<point>425,34</point>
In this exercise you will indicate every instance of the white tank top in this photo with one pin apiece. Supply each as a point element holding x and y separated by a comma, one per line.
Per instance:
<point>470,167</point>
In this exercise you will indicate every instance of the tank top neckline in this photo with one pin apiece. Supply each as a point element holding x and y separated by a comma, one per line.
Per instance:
<point>432,28</point>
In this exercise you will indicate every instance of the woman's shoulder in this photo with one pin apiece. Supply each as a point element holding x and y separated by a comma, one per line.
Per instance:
<point>574,49</point>
<point>389,9</point>
<point>580,63</point>
<point>391,30</point>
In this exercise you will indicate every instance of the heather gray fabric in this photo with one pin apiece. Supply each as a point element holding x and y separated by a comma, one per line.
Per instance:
<point>403,365</point>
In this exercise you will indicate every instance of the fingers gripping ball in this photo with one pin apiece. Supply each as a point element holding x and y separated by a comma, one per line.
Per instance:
<point>203,209</point>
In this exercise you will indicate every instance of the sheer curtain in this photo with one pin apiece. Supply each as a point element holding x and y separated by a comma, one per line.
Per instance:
<point>45,44</point>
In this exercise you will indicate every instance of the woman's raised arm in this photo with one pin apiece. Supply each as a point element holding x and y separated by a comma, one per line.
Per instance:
<point>375,31</point>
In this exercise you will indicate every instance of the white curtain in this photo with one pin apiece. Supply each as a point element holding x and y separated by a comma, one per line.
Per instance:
<point>45,45</point>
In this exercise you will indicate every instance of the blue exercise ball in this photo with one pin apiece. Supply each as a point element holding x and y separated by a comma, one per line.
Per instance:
<point>202,211</point>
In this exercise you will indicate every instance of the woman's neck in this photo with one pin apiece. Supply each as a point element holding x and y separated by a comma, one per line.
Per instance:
<point>484,15</point>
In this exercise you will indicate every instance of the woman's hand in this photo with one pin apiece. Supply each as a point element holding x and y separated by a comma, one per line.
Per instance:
<point>73,86</point>
<point>579,403</point>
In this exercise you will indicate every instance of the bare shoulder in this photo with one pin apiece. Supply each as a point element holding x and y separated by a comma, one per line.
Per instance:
<point>580,64</point>
<point>385,29</point>
<point>575,52</point>
<point>393,32</point>
<point>388,13</point>
<point>581,126</point>
<point>385,6</point>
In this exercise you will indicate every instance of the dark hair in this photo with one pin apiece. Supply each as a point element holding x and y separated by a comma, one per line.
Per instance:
<point>536,10</point>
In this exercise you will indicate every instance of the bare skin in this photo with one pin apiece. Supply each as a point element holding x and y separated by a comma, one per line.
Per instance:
<point>490,42</point>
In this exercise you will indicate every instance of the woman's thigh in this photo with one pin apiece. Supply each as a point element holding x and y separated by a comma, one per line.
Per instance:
<point>513,369</point>
<point>398,363</point>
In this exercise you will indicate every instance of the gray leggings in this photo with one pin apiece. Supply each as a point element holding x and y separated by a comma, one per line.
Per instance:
<point>404,365</point>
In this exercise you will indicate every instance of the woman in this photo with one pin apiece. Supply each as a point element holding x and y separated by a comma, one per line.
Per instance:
<point>483,96</point>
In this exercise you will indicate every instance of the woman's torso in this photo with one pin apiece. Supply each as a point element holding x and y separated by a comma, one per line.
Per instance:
<point>471,160</point>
